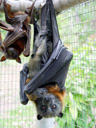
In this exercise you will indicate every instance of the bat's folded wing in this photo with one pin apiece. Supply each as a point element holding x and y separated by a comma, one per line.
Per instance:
<point>55,69</point>
<point>11,37</point>
<point>27,45</point>
<point>23,77</point>
<point>5,26</point>
<point>18,20</point>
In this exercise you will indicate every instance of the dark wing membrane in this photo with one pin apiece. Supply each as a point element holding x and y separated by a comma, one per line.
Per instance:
<point>0,39</point>
<point>55,69</point>
<point>27,46</point>
<point>19,20</point>
<point>8,19</point>
<point>6,26</point>
<point>23,77</point>
<point>1,47</point>
<point>13,36</point>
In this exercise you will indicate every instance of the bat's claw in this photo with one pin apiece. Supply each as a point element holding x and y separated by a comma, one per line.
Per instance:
<point>3,58</point>
<point>18,60</point>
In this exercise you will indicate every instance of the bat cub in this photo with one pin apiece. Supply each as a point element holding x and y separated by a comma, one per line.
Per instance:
<point>17,40</point>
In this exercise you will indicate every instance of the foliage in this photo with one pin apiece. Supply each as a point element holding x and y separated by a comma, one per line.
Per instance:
<point>81,88</point>
<point>79,36</point>
<point>23,116</point>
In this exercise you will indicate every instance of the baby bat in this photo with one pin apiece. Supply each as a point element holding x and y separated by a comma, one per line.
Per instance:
<point>17,40</point>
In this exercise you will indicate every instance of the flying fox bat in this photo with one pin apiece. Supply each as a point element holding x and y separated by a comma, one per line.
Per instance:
<point>17,39</point>
<point>45,85</point>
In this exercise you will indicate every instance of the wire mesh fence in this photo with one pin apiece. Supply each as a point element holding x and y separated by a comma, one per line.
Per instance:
<point>77,27</point>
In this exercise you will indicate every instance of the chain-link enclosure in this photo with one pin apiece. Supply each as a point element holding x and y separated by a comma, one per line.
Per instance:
<point>77,27</point>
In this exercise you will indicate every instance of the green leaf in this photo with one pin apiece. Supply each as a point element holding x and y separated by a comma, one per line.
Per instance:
<point>81,90</point>
<point>73,107</point>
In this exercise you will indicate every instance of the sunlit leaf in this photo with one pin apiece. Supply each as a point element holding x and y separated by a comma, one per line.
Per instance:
<point>73,107</point>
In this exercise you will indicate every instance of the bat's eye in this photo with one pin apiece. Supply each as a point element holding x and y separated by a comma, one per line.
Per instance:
<point>53,106</point>
<point>43,107</point>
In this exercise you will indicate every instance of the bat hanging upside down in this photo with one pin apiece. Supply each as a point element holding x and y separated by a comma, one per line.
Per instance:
<point>48,99</point>
<point>17,39</point>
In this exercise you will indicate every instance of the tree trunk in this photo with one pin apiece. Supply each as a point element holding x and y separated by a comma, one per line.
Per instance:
<point>59,5</point>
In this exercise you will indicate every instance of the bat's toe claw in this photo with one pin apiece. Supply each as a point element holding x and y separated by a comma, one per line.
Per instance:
<point>3,58</point>
<point>18,60</point>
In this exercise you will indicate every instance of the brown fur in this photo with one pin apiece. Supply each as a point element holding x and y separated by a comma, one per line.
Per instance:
<point>19,44</point>
<point>1,47</point>
<point>0,37</point>
<point>28,80</point>
<point>18,47</point>
<point>13,14</point>
<point>54,89</point>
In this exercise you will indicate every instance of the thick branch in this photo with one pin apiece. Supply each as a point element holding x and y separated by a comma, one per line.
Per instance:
<point>59,5</point>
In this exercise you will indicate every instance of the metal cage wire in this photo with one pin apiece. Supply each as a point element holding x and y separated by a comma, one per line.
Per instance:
<point>77,27</point>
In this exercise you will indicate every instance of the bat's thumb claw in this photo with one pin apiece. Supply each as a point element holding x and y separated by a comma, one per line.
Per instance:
<point>3,58</point>
<point>18,60</point>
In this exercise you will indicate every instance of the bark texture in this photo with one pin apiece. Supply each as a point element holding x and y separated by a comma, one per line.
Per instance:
<point>59,5</point>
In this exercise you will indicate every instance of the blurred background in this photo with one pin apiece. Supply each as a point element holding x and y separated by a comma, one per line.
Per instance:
<point>77,27</point>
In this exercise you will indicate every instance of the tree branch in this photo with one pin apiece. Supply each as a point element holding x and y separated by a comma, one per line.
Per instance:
<point>59,5</point>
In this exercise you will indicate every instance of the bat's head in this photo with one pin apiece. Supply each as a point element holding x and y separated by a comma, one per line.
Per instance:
<point>10,53</point>
<point>48,106</point>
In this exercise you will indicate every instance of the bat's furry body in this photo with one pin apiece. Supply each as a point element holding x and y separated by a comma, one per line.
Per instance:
<point>48,100</point>
<point>34,64</point>
<point>17,40</point>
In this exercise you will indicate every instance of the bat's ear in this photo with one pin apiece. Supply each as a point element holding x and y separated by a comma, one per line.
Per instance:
<point>60,115</point>
<point>39,117</point>
<point>3,58</point>
<point>18,60</point>
<point>1,48</point>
